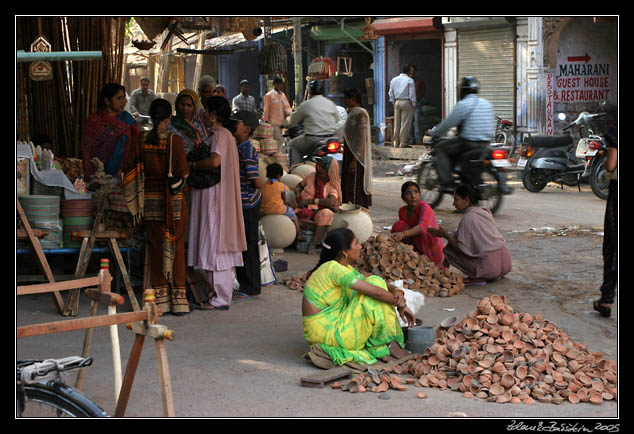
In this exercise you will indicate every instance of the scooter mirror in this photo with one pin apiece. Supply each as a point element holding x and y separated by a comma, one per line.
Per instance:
<point>561,116</point>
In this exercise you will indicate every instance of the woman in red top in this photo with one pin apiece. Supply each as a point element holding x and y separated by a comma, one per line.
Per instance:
<point>414,221</point>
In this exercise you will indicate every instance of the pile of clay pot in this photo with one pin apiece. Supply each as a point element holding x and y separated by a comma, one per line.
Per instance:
<point>504,356</point>
<point>394,260</point>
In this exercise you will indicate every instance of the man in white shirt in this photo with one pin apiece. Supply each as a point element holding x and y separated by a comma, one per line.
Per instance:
<point>319,118</point>
<point>403,95</point>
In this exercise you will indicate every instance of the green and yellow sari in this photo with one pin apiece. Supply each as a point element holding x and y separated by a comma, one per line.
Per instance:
<point>352,327</point>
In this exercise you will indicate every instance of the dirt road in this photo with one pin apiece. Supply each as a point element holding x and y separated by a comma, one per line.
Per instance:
<point>247,361</point>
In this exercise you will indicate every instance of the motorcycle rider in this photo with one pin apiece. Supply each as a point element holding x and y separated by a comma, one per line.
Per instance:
<point>319,118</point>
<point>475,119</point>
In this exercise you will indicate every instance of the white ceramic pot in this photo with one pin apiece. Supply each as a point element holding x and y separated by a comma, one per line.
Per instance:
<point>279,230</point>
<point>290,199</point>
<point>303,170</point>
<point>357,219</point>
<point>291,180</point>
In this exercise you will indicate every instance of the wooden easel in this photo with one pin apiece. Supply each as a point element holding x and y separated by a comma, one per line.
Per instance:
<point>142,323</point>
<point>72,303</point>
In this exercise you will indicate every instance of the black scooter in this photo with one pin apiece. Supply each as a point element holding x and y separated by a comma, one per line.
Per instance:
<point>545,159</point>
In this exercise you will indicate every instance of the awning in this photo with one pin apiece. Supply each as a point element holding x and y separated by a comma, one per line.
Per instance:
<point>405,25</point>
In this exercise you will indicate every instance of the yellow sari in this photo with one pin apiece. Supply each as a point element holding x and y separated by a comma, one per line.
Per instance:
<point>352,327</point>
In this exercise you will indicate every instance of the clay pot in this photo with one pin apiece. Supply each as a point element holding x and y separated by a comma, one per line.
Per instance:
<point>303,170</point>
<point>291,180</point>
<point>279,230</point>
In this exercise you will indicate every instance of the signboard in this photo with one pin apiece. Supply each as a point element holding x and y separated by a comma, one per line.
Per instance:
<point>580,79</point>
<point>550,90</point>
<point>40,70</point>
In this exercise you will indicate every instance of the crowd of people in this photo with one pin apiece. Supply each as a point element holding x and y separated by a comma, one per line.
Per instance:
<point>193,181</point>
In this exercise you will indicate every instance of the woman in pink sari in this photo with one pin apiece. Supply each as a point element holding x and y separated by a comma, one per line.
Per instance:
<point>414,222</point>
<point>216,231</point>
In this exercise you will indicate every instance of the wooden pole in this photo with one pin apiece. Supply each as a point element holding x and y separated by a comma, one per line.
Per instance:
<point>297,57</point>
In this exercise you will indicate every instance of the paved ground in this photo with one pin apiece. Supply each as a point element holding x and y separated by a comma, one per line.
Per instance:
<point>247,361</point>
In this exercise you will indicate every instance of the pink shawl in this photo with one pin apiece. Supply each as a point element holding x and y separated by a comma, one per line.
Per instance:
<point>477,233</point>
<point>232,237</point>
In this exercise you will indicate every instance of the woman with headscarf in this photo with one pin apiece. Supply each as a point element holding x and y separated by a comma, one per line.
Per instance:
<point>216,233</point>
<point>356,186</point>
<point>319,195</point>
<point>477,248</point>
<point>186,122</point>
<point>108,132</point>
<point>147,190</point>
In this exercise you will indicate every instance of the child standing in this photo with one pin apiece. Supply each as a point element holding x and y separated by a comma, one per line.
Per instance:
<point>274,196</point>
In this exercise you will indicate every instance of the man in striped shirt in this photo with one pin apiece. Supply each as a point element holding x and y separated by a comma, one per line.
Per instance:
<point>249,275</point>
<point>475,120</point>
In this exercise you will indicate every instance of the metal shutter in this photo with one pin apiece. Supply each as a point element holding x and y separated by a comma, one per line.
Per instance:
<point>488,55</point>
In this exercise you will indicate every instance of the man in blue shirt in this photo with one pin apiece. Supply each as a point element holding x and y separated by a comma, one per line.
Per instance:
<point>249,275</point>
<point>475,120</point>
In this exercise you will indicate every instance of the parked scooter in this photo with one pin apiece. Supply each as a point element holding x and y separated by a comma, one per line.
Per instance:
<point>491,164</point>
<point>545,159</point>
<point>591,148</point>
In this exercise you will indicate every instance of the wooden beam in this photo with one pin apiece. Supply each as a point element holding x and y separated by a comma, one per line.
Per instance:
<point>58,286</point>
<point>81,323</point>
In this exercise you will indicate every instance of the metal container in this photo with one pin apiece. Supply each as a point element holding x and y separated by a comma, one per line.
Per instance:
<point>419,338</point>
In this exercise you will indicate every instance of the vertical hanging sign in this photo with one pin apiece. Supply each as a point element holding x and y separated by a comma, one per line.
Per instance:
<point>41,70</point>
<point>549,103</point>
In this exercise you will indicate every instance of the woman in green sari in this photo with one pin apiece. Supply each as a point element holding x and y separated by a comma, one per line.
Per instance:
<point>349,317</point>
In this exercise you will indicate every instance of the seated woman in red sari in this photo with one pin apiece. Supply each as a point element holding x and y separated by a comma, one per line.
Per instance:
<point>414,222</point>
<point>107,134</point>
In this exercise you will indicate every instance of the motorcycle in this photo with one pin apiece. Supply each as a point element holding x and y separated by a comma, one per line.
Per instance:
<point>491,163</point>
<point>331,146</point>
<point>593,149</point>
<point>503,136</point>
<point>545,159</point>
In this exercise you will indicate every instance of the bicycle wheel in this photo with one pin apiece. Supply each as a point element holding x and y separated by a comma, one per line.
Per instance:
<point>52,399</point>
<point>429,184</point>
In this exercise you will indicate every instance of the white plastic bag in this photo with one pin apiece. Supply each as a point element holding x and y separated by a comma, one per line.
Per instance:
<point>415,300</point>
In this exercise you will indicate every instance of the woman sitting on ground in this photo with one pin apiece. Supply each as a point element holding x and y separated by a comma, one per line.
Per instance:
<point>348,317</point>
<point>318,196</point>
<point>477,248</point>
<point>415,220</point>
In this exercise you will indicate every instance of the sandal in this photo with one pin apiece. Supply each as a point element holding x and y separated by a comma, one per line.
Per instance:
<point>209,307</point>
<point>474,282</point>
<point>320,361</point>
<point>604,311</point>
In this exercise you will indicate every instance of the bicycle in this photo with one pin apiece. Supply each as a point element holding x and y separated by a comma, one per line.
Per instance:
<point>41,389</point>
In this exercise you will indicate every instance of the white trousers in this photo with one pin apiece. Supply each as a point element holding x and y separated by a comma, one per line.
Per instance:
<point>403,117</point>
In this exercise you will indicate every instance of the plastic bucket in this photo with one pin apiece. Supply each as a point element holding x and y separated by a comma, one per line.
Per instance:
<point>419,338</point>
<point>302,246</point>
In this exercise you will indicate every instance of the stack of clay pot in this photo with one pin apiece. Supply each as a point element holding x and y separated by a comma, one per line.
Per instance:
<point>393,260</point>
<point>504,356</point>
